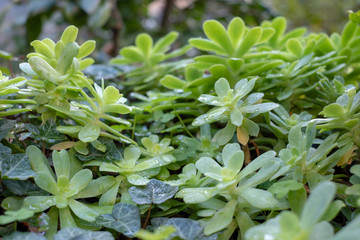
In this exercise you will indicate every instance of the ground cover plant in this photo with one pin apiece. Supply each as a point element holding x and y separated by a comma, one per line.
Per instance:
<point>245,133</point>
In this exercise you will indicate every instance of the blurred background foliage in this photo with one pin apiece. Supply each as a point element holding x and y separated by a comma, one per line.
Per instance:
<point>115,23</point>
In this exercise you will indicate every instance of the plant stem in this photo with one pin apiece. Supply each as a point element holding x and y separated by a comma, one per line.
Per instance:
<point>148,216</point>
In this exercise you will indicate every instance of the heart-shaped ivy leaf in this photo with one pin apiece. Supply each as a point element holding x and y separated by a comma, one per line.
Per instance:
<point>14,166</point>
<point>78,233</point>
<point>155,192</point>
<point>125,218</point>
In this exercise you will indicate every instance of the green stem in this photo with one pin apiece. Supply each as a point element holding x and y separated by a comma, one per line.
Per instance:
<point>133,130</point>
<point>167,106</point>
<point>183,124</point>
<point>88,99</point>
<point>53,214</point>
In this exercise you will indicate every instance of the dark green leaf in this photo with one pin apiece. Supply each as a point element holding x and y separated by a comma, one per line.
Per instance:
<point>23,188</point>
<point>6,126</point>
<point>155,192</point>
<point>78,233</point>
<point>186,229</point>
<point>125,218</point>
<point>24,236</point>
<point>112,153</point>
<point>14,166</point>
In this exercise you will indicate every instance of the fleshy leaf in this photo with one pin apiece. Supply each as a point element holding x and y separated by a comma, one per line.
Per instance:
<point>221,219</point>
<point>317,204</point>
<point>90,132</point>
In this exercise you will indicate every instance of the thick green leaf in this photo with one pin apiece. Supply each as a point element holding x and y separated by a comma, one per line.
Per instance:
<point>317,204</point>
<point>86,49</point>
<point>90,132</point>
<point>236,117</point>
<point>206,45</point>
<point>42,48</point>
<point>294,46</point>
<point>333,110</point>
<point>259,198</point>
<point>280,189</point>
<point>221,219</point>
<point>347,33</point>
<point>209,167</point>
<point>82,211</point>
<point>249,40</point>
<point>38,203</point>
<point>81,179</point>
<point>162,45</point>
<point>144,42</point>
<point>217,33</point>
<point>133,54</point>
<point>46,182</point>
<point>69,34</point>
<point>172,82</point>
<point>96,187</point>
<point>61,163</point>
<point>297,200</point>
<point>236,29</point>
<point>11,216</point>
<point>43,69</point>
<point>233,156</point>
<point>197,195</point>
<point>111,95</point>
<point>257,163</point>
<point>224,135</point>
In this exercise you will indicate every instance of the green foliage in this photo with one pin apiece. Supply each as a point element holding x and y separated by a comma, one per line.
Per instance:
<point>65,187</point>
<point>14,166</point>
<point>230,106</point>
<point>311,224</point>
<point>226,145</point>
<point>151,57</point>
<point>125,218</point>
<point>10,86</point>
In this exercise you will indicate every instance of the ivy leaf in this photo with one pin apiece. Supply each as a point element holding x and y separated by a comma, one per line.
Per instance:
<point>24,236</point>
<point>186,229</point>
<point>46,133</point>
<point>78,233</point>
<point>112,153</point>
<point>6,126</point>
<point>125,218</point>
<point>23,188</point>
<point>155,192</point>
<point>14,166</point>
